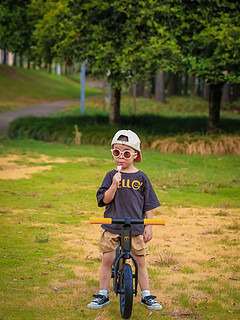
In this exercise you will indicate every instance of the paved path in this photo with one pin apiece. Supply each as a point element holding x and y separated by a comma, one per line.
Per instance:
<point>36,111</point>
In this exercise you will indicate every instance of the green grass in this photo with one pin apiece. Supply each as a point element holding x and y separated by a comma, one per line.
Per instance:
<point>22,87</point>
<point>49,255</point>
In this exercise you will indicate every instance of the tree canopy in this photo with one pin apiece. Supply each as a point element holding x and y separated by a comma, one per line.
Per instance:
<point>15,28</point>
<point>127,40</point>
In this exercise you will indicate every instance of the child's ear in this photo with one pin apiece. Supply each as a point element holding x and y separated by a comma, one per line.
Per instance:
<point>135,157</point>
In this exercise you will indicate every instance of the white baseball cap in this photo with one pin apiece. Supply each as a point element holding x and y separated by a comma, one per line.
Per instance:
<point>132,141</point>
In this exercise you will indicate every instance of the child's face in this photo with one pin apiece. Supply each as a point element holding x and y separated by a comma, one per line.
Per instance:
<point>122,159</point>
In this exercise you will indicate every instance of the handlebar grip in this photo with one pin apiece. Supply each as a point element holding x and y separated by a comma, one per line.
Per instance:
<point>100,220</point>
<point>155,222</point>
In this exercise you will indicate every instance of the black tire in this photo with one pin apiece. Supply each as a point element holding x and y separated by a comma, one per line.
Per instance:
<point>126,295</point>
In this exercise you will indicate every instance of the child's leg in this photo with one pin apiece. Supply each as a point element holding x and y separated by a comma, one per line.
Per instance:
<point>102,299</point>
<point>106,269</point>
<point>142,273</point>
<point>147,299</point>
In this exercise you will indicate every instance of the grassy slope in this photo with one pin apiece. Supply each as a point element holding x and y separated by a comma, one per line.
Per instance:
<point>193,266</point>
<point>21,87</point>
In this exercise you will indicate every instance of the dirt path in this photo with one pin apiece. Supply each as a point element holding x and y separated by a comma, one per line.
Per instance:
<point>41,110</point>
<point>36,111</point>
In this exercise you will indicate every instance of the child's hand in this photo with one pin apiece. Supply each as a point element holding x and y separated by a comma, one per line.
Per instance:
<point>147,234</point>
<point>117,179</point>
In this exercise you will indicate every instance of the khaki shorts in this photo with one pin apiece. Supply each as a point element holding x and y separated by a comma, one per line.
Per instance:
<point>110,241</point>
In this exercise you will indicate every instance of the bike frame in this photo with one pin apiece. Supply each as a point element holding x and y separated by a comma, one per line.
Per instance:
<point>125,245</point>
<point>125,242</point>
<point>122,272</point>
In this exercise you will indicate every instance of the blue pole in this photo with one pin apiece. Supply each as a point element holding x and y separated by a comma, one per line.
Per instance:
<point>83,74</point>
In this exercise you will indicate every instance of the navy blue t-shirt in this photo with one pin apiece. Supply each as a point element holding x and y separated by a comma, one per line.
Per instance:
<point>134,196</point>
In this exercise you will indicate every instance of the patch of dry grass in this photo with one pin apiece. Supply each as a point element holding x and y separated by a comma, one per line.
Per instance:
<point>189,258</point>
<point>222,145</point>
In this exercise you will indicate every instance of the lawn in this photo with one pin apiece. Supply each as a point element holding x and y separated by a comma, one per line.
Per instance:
<point>22,87</point>
<point>49,256</point>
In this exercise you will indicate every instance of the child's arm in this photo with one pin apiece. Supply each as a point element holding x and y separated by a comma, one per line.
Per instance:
<point>110,193</point>
<point>148,233</point>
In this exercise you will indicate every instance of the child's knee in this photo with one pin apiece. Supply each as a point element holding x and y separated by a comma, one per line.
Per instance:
<point>140,261</point>
<point>108,258</point>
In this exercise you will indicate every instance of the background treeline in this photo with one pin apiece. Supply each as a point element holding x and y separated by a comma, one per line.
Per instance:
<point>129,42</point>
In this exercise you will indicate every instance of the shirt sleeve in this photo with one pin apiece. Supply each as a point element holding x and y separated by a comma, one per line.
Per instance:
<point>150,198</point>
<point>107,181</point>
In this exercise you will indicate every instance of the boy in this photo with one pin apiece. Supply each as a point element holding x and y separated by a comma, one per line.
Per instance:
<point>128,193</point>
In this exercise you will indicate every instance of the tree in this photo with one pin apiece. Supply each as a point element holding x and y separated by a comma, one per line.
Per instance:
<point>208,33</point>
<point>53,29</point>
<point>124,42</point>
<point>121,40</point>
<point>15,27</point>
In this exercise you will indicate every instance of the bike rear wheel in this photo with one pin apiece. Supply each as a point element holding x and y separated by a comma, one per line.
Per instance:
<point>126,293</point>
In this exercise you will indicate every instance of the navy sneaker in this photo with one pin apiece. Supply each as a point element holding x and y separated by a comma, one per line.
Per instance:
<point>151,303</point>
<point>98,302</point>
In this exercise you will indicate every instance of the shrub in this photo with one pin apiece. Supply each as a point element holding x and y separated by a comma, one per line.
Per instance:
<point>163,134</point>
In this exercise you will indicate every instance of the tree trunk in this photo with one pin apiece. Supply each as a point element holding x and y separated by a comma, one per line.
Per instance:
<point>192,86</point>
<point>15,59</point>
<point>173,85</point>
<point>140,88</point>
<point>226,92</point>
<point>200,86</point>
<point>235,94</point>
<point>146,90</point>
<point>134,90</point>
<point>4,56</point>
<point>180,84</point>
<point>50,67</point>
<point>114,114</point>
<point>214,107</point>
<point>206,91</point>
<point>159,87</point>
<point>186,84</point>
<point>104,95</point>
<point>21,60</point>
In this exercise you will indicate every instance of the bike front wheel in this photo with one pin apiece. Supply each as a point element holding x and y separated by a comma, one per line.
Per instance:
<point>126,291</point>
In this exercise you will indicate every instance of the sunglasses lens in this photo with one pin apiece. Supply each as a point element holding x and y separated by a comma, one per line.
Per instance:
<point>127,154</point>
<point>116,152</point>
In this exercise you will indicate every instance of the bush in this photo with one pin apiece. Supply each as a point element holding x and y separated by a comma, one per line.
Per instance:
<point>164,134</point>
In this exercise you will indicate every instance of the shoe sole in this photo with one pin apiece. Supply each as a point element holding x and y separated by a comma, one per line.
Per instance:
<point>98,306</point>
<point>151,307</point>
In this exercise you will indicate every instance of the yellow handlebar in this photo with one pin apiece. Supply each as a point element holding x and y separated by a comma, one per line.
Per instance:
<point>143,221</point>
<point>155,222</point>
<point>100,220</point>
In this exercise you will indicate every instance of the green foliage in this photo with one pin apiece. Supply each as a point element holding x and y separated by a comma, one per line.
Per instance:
<point>15,31</point>
<point>208,33</point>
<point>120,40</point>
<point>95,129</point>
<point>128,39</point>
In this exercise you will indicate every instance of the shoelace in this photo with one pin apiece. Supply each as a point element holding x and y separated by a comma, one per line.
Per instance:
<point>151,299</point>
<point>98,297</point>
